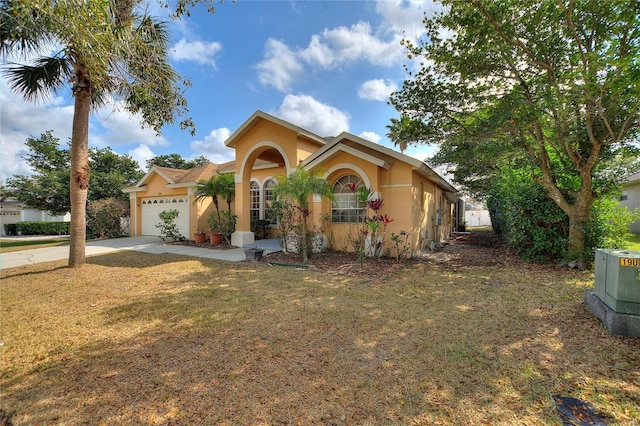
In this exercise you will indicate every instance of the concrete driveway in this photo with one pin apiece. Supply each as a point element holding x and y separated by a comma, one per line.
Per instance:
<point>144,244</point>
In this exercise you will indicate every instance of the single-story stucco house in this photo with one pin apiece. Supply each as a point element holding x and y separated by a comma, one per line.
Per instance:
<point>13,211</point>
<point>419,201</point>
<point>630,197</point>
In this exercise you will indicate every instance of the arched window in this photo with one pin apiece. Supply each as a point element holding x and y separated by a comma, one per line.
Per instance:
<point>268,197</point>
<point>254,201</point>
<point>345,206</point>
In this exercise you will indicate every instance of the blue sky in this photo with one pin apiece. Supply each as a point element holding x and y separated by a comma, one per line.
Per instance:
<point>328,66</point>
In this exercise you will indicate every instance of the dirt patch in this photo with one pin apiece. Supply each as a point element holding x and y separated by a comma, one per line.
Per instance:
<point>340,263</point>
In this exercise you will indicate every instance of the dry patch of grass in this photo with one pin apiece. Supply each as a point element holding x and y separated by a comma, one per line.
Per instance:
<point>134,338</point>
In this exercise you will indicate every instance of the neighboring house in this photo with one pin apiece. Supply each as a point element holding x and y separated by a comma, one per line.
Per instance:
<point>630,197</point>
<point>13,211</point>
<point>476,214</point>
<point>418,200</point>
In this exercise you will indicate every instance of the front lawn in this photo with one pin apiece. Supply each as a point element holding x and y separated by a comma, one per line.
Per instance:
<point>9,245</point>
<point>634,242</point>
<point>136,338</point>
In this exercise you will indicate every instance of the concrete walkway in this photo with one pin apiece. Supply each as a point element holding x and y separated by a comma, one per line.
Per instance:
<point>144,244</point>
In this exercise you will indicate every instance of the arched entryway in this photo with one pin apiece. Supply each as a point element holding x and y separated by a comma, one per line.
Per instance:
<point>255,174</point>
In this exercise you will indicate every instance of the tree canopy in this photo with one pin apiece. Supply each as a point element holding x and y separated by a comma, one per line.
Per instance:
<point>48,188</point>
<point>553,84</point>
<point>176,161</point>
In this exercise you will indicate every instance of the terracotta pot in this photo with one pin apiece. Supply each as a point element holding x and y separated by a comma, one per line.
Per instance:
<point>199,238</point>
<point>215,238</point>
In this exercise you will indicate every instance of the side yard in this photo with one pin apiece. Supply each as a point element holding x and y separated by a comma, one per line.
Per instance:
<point>135,338</point>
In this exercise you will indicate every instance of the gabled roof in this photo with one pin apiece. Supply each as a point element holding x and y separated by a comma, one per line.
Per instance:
<point>258,116</point>
<point>338,144</point>
<point>634,178</point>
<point>177,177</point>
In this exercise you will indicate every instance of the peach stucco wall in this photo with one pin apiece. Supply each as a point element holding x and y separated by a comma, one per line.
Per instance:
<point>264,136</point>
<point>409,199</point>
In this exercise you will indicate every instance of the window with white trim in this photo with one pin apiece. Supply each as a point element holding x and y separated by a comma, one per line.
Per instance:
<point>254,201</point>
<point>268,196</point>
<point>345,206</point>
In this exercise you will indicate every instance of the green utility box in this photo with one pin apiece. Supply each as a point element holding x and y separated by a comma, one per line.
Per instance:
<point>617,280</point>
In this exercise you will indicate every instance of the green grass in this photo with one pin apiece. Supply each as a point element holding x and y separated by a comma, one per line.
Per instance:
<point>15,245</point>
<point>136,338</point>
<point>634,242</point>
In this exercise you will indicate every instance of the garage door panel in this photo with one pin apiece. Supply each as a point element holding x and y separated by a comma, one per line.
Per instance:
<point>153,206</point>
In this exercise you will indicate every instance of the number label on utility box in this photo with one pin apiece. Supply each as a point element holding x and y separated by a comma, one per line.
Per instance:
<point>625,261</point>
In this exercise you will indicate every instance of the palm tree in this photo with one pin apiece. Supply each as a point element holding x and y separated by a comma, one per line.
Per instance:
<point>228,187</point>
<point>404,132</point>
<point>218,185</point>
<point>103,49</point>
<point>298,187</point>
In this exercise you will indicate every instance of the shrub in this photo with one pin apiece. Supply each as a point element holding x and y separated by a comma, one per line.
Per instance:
<point>104,218</point>
<point>610,225</point>
<point>528,221</point>
<point>43,228</point>
<point>223,222</point>
<point>167,226</point>
<point>10,229</point>
<point>532,225</point>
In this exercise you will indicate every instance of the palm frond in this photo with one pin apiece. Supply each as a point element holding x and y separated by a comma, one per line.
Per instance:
<point>21,30</point>
<point>46,75</point>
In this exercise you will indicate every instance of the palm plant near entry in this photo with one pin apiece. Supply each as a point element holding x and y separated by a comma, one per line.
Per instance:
<point>221,185</point>
<point>105,49</point>
<point>299,186</point>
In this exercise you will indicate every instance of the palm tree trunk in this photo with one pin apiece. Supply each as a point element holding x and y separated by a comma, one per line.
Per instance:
<point>79,182</point>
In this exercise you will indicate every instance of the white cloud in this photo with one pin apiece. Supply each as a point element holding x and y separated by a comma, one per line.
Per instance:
<point>279,67</point>
<point>334,48</point>
<point>337,46</point>
<point>113,125</point>
<point>200,52</point>
<point>307,112</point>
<point>110,126</point>
<point>376,90</point>
<point>371,136</point>
<point>213,147</point>
<point>21,119</point>
<point>141,154</point>
<point>406,16</point>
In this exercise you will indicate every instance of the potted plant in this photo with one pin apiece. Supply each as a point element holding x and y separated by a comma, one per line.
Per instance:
<point>199,236</point>
<point>219,185</point>
<point>215,238</point>
<point>222,224</point>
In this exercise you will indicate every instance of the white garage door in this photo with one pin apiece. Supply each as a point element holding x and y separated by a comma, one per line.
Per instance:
<point>152,207</point>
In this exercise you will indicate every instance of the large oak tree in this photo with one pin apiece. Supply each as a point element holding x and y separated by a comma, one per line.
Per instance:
<point>552,83</point>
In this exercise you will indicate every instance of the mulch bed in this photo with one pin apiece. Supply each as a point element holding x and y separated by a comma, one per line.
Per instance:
<point>464,250</point>
<point>206,244</point>
<point>460,251</point>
